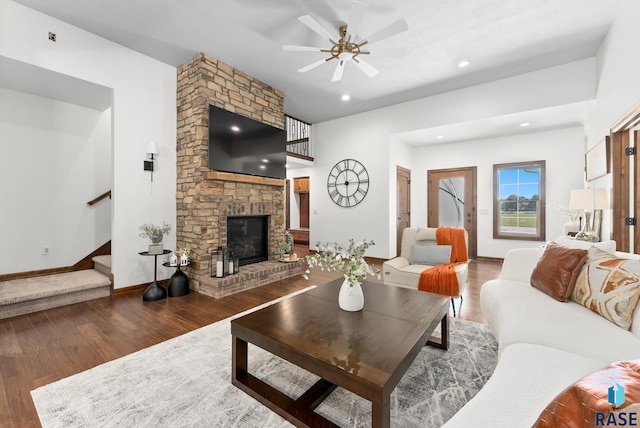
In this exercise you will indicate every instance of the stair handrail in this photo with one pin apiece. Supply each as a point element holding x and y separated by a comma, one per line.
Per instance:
<point>99,198</point>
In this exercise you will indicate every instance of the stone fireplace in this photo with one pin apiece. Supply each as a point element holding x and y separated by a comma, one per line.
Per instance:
<point>248,237</point>
<point>206,199</point>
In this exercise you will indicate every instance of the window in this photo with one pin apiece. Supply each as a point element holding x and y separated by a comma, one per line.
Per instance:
<point>518,201</point>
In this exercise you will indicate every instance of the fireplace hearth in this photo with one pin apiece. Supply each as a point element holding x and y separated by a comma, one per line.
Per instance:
<point>247,238</point>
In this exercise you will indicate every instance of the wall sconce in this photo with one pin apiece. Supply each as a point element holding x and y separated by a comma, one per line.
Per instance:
<point>152,150</point>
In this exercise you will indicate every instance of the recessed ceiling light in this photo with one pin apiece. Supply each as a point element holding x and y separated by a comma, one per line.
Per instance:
<point>345,97</point>
<point>440,137</point>
<point>523,124</point>
<point>234,128</point>
<point>463,63</point>
<point>265,160</point>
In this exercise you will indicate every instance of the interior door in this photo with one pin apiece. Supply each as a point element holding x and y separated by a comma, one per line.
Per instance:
<point>451,201</point>
<point>625,191</point>
<point>287,203</point>
<point>403,203</point>
<point>304,210</point>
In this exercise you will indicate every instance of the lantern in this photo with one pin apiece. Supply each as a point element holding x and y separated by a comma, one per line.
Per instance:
<point>219,262</point>
<point>233,263</point>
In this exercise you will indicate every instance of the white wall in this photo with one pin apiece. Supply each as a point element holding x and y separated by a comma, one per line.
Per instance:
<point>143,109</point>
<point>561,149</point>
<point>349,139</point>
<point>618,85</point>
<point>55,158</point>
<point>618,81</point>
<point>369,138</point>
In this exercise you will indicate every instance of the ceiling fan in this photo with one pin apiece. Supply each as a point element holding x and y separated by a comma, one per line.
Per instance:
<point>347,48</point>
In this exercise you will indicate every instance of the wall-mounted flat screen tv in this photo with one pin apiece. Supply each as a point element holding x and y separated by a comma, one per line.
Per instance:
<point>242,145</point>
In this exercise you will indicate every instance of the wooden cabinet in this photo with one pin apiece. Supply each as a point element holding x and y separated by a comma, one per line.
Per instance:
<point>300,236</point>
<point>301,185</point>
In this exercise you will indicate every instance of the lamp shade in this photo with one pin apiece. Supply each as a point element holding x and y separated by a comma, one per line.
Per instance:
<point>589,199</point>
<point>152,148</point>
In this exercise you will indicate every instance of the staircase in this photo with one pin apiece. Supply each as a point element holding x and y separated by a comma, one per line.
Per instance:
<point>23,296</point>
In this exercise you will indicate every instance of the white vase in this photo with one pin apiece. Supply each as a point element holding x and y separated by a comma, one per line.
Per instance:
<point>350,297</point>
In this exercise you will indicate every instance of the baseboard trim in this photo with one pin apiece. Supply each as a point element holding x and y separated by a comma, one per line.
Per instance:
<point>136,288</point>
<point>84,264</point>
<point>490,259</point>
<point>35,273</point>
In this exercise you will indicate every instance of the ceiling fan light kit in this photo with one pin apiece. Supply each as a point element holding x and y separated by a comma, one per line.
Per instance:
<point>346,49</point>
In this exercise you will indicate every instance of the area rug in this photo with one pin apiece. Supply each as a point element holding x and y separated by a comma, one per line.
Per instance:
<point>186,382</point>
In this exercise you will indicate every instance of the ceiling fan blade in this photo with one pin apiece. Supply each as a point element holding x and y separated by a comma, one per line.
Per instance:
<point>367,68</point>
<point>337,75</point>
<point>301,48</point>
<point>358,11</point>
<point>311,66</point>
<point>390,30</point>
<point>315,26</point>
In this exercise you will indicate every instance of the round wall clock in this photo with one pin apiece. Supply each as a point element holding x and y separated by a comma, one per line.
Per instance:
<point>348,183</point>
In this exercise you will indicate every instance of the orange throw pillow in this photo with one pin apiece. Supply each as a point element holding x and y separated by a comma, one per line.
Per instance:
<point>596,398</point>
<point>557,270</point>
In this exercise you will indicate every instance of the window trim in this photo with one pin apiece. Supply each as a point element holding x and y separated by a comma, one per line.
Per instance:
<point>497,234</point>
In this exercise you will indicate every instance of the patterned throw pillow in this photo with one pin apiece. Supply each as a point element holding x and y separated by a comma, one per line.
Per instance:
<point>609,286</point>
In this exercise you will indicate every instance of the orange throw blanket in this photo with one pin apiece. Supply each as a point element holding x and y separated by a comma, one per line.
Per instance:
<point>442,279</point>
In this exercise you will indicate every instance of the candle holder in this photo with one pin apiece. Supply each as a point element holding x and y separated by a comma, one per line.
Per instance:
<point>219,263</point>
<point>236,264</point>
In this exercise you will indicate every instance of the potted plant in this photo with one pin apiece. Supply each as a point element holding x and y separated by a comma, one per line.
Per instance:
<point>350,262</point>
<point>155,235</point>
<point>284,249</point>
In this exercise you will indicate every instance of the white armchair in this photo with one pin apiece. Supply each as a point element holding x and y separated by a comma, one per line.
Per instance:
<point>401,273</point>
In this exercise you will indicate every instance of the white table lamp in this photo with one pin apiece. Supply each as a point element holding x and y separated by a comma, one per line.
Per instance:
<point>588,200</point>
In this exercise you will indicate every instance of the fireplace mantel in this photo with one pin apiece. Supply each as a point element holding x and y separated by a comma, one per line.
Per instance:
<point>241,178</point>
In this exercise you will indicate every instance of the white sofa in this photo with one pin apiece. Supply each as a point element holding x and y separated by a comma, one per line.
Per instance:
<point>544,346</point>
<point>399,272</point>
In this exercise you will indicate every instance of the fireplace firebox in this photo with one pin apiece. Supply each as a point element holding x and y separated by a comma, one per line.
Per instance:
<point>247,238</point>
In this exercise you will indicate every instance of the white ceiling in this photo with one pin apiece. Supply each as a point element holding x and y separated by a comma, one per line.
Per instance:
<point>500,38</point>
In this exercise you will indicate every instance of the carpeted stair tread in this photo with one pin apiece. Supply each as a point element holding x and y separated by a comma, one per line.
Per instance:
<point>102,264</point>
<point>105,260</point>
<point>21,290</point>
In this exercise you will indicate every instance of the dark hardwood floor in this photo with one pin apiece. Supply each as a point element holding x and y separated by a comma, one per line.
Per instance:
<point>43,347</point>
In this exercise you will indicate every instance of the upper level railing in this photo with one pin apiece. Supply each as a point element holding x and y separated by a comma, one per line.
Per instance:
<point>298,142</point>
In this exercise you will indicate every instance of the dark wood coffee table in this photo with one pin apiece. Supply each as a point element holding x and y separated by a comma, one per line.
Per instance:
<point>365,352</point>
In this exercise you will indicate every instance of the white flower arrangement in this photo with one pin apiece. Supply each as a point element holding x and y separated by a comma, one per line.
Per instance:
<point>349,260</point>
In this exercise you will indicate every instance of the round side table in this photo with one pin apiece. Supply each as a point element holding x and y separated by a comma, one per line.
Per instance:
<point>179,282</point>
<point>154,291</point>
